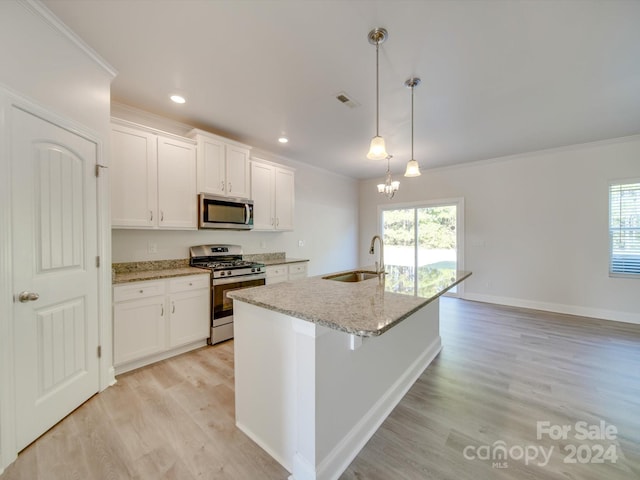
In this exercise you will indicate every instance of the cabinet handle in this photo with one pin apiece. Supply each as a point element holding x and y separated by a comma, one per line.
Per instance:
<point>162,311</point>
<point>173,307</point>
<point>229,187</point>
<point>272,220</point>
<point>141,291</point>
<point>222,185</point>
<point>190,284</point>
<point>277,221</point>
<point>151,215</point>
<point>162,215</point>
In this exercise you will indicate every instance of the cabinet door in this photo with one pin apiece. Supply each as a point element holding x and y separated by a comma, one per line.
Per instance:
<point>189,319</point>
<point>237,171</point>
<point>177,197</point>
<point>284,199</point>
<point>297,271</point>
<point>262,183</point>
<point>138,329</point>
<point>276,274</point>
<point>211,166</point>
<point>133,177</point>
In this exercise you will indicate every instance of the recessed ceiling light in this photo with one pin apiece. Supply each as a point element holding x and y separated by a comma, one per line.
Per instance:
<point>177,99</point>
<point>283,140</point>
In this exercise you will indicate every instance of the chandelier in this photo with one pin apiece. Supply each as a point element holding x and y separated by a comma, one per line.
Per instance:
<point>389,187</point>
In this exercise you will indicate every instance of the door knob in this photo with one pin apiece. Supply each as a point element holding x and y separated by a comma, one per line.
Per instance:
<point>25,297</point>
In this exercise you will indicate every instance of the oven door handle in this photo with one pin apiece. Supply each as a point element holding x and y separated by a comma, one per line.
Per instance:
<point>247,213</point>
<point>240,278</point>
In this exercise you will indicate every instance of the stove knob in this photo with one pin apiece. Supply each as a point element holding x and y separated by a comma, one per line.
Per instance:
<point>228,272</point>
<point>253,270</point>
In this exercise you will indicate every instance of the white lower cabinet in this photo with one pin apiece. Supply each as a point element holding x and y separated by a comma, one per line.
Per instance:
<point>285,272</point>
<point>188,306</point>
<point>296,271</point>
<point>157,319</point>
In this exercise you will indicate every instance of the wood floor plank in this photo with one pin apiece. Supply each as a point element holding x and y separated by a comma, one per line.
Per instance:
<point>500,372</point>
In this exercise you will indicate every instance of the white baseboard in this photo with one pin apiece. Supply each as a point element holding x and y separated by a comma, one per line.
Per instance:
<point>337,461</point>
<point>142,362</point>
<point>602,314</point>
<point>263,445</point>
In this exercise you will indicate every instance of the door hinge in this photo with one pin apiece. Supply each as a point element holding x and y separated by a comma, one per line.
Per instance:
<point>98,261</point>
<point>99,351</point>
<point>98,167</point>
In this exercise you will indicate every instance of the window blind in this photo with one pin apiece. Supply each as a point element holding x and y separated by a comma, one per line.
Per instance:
<point>624,228</point>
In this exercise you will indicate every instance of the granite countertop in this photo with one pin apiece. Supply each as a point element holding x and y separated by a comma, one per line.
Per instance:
<point>367,308</point>
<point>277,258</point>
<point>153,270</point>
<point>283,261</point>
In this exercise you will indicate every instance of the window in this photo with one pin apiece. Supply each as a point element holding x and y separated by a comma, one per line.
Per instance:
<point>422,245</point>
<point>624,228</point>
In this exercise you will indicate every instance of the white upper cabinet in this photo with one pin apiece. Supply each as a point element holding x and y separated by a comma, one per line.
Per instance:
<point>177,196</point>
<point>133,174</point>
<point>153,179</point>
<point>262,194</point>
<point>284,198</point>
<point>222,165</point>
<point>273,193</point>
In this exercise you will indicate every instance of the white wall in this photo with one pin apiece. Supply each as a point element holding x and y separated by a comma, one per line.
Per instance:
<point>326,218</point>
<point>536,226</point>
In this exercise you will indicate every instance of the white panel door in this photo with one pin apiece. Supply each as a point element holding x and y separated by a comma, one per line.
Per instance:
<point>177,197</point>
<point>54,247</point>
<point>134,195</point>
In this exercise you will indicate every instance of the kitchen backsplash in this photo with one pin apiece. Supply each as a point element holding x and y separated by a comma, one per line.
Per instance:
<point>261,257</point>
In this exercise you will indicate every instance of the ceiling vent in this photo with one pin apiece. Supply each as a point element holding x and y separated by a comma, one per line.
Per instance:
<point>346,100</point>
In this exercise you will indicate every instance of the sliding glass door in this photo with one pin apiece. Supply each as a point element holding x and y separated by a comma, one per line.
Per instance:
<point>422,245</point>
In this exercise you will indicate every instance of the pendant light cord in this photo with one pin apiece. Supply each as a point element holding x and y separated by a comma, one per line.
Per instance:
<point>412,86</point>
<point>377,92</point>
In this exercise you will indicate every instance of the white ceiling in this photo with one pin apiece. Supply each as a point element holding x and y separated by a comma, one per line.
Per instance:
<point>498,77</point>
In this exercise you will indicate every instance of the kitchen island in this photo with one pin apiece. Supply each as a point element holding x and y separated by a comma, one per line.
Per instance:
<point>320,363</point>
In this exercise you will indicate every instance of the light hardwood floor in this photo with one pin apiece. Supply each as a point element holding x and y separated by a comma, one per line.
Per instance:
<point>501,371</point>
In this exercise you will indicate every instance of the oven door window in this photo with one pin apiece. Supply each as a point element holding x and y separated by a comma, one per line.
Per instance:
<point>222,304</point>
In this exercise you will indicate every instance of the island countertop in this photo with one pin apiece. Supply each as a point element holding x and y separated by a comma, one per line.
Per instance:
<point>366,308</point>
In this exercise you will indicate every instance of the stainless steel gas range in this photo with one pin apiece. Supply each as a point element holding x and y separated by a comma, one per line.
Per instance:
<point>228,272</point>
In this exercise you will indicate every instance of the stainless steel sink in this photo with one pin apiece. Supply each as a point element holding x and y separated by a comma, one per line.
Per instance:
<point>354,276</point>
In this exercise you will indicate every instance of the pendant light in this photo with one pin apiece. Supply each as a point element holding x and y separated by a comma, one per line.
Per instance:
<point>377,149</point>
<point>413,167</point>
<point>389,187</point>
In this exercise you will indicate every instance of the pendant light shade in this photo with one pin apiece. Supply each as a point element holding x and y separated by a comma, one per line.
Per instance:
<point>377,149</point>
<point>413,167</point>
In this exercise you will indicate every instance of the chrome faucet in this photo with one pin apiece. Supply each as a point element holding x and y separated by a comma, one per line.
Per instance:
<point>380,262</point>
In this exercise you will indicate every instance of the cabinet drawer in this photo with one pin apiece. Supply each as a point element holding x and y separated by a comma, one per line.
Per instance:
<point>192,282</point>
<point>135,290</point>
<point>298,269</point>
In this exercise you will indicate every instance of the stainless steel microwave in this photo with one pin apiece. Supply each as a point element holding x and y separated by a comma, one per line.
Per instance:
<point>224,212</point>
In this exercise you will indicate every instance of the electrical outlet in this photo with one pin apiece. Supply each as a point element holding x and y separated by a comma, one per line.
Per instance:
<point>263,244</point>
<point>301,243</point>
<point>152,247</point>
